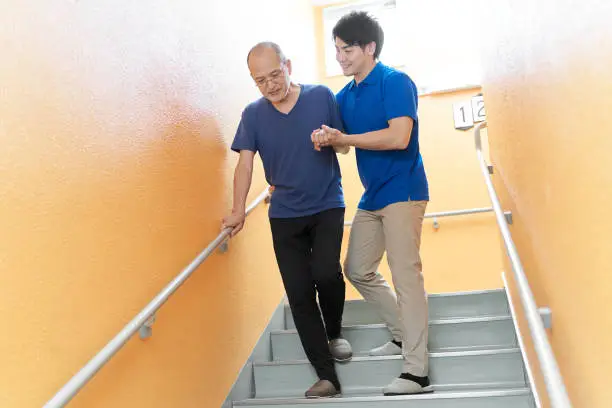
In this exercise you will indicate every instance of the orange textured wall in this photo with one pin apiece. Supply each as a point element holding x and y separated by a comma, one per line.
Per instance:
<point>548,90</point>
<point>464,253</point>
<point>114,124</point>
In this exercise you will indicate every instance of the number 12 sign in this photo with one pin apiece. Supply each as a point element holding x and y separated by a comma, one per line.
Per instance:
<point>466,113</point>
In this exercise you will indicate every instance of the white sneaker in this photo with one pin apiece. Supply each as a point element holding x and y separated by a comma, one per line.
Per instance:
<point>387,349</point>
<point>401,386</point>
<point>341,350</point>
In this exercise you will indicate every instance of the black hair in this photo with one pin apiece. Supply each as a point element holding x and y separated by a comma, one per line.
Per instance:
<point>360,28</point>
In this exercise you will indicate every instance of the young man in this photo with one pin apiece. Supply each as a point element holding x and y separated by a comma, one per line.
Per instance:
<point>307,206</point>
<point>379,112</point>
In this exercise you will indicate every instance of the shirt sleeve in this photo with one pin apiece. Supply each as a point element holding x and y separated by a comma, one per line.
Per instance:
<point>245,138</point>
<point>400,97</point>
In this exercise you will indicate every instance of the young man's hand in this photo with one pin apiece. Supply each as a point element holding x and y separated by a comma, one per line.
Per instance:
<point>235,221</point>
<point>327,136</point>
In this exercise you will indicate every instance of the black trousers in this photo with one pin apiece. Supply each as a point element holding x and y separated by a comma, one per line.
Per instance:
<point>308,255</point>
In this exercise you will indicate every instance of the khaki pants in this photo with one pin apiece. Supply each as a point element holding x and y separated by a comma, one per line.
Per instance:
<point>396,229</point>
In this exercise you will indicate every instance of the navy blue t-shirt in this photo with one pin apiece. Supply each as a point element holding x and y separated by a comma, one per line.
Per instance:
<point>389,176</point>
<point>306,181</point>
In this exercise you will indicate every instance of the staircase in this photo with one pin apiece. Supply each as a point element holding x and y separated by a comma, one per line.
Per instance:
<point>475,360</point>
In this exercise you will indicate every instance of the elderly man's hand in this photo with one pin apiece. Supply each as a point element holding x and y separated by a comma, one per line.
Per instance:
<point>235,221</point>
<point>327,136</point>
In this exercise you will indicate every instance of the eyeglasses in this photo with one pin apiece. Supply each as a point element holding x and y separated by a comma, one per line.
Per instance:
<point>275,76</point>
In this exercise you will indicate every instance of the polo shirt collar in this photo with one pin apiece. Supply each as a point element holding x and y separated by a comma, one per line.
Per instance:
<point>373,77</point>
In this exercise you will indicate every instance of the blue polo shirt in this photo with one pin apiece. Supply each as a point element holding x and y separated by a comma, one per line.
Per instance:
<point>388,176</point>
<point>306,181</point>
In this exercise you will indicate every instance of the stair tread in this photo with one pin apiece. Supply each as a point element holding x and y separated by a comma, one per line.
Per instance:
<point>373,391</point>
<point>465,293</point>
<point>444,350</point>
<point>352,399</point>
<point>290,378</point>
<point>431,322</point>
<point>479,352</point>
<point>441,295</point>
<point>441,306</point>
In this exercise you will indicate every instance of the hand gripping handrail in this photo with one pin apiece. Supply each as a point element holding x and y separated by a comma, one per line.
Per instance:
<point>78,381</point>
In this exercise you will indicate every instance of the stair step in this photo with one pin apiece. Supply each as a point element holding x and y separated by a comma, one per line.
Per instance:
<point>444,335</point>
<point>292,378</point>
<point>441,306</point>
<point>515,398</point>
<point>369,391</point>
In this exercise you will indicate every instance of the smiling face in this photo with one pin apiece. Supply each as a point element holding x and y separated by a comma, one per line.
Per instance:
<point>354,59</point>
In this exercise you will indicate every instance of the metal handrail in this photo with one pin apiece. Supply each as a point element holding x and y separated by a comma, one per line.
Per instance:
<point>446,213</point>
<point>550,370</point>
<point>78,381</point>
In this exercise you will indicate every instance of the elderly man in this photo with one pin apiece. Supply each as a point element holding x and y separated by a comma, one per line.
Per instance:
<point>307,206</point>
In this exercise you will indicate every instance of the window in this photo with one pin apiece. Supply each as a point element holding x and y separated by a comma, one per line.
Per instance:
<point>385,12</point>
<point>435,41</point>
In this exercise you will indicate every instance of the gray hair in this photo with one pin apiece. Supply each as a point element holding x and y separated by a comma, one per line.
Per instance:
<point>268,44</point>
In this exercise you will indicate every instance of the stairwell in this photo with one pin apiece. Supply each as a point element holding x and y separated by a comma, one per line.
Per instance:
<point>475,360</point>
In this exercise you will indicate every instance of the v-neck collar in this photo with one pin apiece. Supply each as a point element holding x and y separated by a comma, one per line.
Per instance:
<point>295,105</point>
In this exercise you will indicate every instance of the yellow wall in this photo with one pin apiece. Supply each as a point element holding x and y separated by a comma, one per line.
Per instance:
<point>464,253</point>
<point>114,123</point>
<point>548,90</point>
